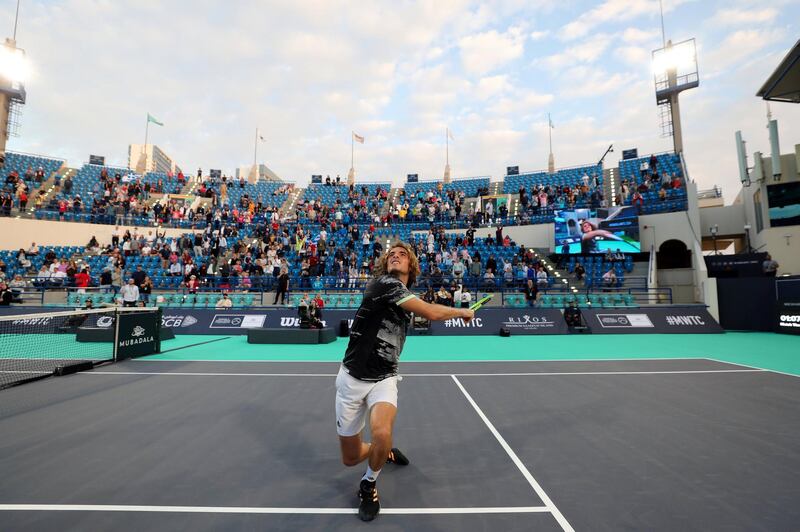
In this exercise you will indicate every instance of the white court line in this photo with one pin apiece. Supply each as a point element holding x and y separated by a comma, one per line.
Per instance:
<point>261,510</point>
<point>524,374</point>
<point>753,367</point>
<point>643,358</point>
<point>514,458</point>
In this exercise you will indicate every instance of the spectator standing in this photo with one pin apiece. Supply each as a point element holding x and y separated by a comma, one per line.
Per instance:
<point>769,266</point>
<point>282,288</point>
<point>458,269</point>
<point>531,293</point>
<point>6,296</point>
<point>457,296</point>
<point>106,279</point>
<point>192,284</point>
<point>138,276</point>
<point>580,271</point>
<point>145,289</point>
<point>130,294</point>
<point>466,298</point>
<point>82,280</point>
<point>610,278</point>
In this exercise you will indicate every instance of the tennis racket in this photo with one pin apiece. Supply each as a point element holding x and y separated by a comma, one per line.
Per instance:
<point>478,304</point>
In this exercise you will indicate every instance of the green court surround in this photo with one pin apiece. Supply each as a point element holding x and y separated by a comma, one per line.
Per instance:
<point>776,352</point>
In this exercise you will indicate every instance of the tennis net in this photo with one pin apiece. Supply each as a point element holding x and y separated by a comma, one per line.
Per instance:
<point>34,346</point>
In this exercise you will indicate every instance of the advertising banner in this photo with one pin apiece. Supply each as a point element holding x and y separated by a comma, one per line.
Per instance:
<point>138,335</point>
<point>651,320</point>
<point>488,321</point>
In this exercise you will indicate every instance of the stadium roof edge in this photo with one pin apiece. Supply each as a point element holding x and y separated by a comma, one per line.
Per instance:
<point>783,85</point>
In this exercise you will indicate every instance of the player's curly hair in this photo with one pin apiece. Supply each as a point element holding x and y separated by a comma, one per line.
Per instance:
<point>413,262</point>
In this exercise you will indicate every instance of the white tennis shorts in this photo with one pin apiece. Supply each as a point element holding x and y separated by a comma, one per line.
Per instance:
<point>354,399</point>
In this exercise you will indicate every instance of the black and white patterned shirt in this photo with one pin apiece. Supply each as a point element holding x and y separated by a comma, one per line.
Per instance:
<point>378,331</point>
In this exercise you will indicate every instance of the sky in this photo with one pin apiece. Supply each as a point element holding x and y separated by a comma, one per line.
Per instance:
<point>307,73</point>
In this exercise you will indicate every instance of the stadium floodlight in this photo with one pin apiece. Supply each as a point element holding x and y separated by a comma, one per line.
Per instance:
<point>680,57</point>
<point>14,66</point>
<point>675,70</point>
<point>14,71</point>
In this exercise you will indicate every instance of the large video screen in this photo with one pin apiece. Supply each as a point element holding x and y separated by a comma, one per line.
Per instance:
<point>582,231</point>
<point>784,204</point>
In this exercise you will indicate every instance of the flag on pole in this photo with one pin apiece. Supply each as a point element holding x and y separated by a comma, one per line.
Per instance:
<point>450,134</point>
<point>551,122</point>
<point>262,139</point>
<point>151,118</point>
<point>358,138</point>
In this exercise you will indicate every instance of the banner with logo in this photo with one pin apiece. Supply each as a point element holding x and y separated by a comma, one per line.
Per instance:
<point>138,335</point>
<point>651,320</point>
<point>788,317</point>
<point>488,321</point>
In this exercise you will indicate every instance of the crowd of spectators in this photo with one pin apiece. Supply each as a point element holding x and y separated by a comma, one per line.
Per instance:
<point>544,199</point>
<point>16,191</point>
<point>633,190</point>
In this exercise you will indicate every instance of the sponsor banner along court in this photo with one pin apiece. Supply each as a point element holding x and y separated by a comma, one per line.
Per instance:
<point>488,321</point>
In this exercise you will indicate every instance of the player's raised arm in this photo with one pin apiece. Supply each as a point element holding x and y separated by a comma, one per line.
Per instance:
<point>435,312</point>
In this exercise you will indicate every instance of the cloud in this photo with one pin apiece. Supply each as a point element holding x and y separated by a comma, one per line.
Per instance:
<point>635,35</point>
<point>538,35</point>
<point>484,52</point>
<point>585,82</point>
<point>586,52</point>
<point>749,17</point>
<point>613,10</point>
<point>491,85</point>
<point>737,47</point>
<point>521,104</point>
<point>634,55</point>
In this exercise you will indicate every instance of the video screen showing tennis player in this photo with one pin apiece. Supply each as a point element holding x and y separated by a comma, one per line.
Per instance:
<point>584,231</point>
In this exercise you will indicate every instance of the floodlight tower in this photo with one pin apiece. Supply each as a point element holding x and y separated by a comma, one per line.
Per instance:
<point>675,70</point>
<point>13,71</point>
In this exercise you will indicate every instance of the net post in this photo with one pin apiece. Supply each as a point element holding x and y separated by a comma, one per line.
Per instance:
<point>159,312</point>
<point>116,332</point>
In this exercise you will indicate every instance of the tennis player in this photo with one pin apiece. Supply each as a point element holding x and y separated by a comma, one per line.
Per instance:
<point>366,385</point>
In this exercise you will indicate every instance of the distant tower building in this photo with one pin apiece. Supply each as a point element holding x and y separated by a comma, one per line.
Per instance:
<point>263,173</point>
<point>150,158</point>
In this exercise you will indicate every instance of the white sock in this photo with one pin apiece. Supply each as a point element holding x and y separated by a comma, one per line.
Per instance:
<point>371,475</point>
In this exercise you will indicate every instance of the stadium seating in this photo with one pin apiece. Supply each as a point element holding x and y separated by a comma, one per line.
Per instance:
<point>263,190</point>
<point>86,183</point>
<point>668,164</point>
<point>561,178</point>
<point>20,163</point>
<point>330,194</point>
<point>468,186</point>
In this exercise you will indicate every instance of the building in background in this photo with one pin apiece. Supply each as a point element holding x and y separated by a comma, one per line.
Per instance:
<point>150,158</point>
<point>263,173</point>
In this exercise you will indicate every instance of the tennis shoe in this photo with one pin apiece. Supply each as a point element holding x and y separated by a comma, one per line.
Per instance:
<point>370,506</point>
<point>397,457</point>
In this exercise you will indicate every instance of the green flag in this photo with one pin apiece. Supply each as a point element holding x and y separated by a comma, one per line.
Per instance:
<point>152,119</point>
